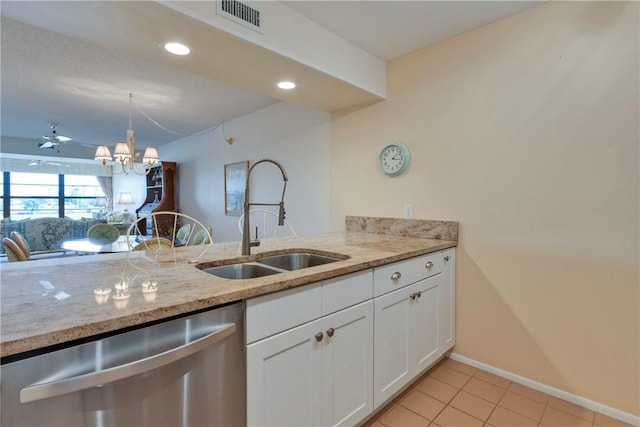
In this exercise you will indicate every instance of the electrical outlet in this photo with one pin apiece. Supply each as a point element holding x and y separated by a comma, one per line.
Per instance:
<point>408,211</point>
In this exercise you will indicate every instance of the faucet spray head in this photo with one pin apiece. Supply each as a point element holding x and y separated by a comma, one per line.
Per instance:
<point>281,214</point>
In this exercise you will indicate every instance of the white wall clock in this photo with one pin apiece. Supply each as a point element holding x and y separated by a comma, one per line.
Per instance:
<point>395,158</point>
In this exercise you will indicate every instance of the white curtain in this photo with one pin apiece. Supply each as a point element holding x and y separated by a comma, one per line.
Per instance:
<point>106,184</point>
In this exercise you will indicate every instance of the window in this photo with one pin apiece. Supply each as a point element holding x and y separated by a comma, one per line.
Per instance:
<point>36,195</point>
<point>82,196</point>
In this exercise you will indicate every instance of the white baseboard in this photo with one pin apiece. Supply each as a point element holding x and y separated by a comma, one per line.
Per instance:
<point>552,391</point>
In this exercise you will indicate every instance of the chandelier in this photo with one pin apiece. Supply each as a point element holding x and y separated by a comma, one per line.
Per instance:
<point>124,153</point>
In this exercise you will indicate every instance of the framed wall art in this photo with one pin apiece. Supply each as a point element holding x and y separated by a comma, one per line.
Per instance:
<point>235,176</point>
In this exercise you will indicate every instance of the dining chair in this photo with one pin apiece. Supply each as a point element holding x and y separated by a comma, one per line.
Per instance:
<point>183,234</point>
<point>13,251</point>
<point>203,237</point>
<point>153,243</point>
<point>188,230</point>
<point>103,233</point>
<point>19,239</point>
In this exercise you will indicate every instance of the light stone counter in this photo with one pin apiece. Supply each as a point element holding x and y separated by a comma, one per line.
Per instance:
<point>52,301</point>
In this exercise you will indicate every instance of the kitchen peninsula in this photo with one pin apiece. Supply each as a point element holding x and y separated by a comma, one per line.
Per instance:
<point>51,302</point>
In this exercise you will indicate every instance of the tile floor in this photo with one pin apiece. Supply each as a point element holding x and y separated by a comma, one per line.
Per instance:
<point>453,394</point>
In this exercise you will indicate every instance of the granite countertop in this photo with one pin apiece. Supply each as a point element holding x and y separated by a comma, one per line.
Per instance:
<point>53,301</point>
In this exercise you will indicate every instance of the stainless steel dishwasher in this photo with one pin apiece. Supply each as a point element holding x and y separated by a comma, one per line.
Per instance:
<point>188,371</point>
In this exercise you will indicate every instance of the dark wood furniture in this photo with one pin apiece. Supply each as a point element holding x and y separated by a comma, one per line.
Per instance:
<point>161,196</point>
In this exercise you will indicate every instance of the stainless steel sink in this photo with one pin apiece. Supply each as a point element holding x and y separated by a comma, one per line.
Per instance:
<point>268,264</point>
<point>296,260</point>
<point>245,270</point>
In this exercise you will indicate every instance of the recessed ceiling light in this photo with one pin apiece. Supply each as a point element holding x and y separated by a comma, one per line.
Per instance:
<point>286,85</point>
<point>177,48</point>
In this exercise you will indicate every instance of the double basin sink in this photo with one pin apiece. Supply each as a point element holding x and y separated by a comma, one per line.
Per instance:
<point>268,264</point>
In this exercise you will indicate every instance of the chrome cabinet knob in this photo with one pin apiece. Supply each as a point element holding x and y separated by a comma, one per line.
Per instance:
<point>396,275</point>
<point>412,296</point>
<point>446,257</point>
<point>330,332</point>
<point>429,265</point>
<point>319,336</point>
<point>419,294</point>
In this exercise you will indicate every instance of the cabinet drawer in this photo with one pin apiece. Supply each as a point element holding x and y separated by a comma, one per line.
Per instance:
<point>345,291</point>
<point>267,315</point>
<point>402,273</point>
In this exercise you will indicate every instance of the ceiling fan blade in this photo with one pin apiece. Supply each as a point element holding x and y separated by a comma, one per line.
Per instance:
<point>62,138</point>
<point>48,144</point>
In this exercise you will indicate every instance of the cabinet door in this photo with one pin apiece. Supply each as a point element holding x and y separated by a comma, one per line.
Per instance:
<point>347,365</point>
<point>392,344</point>
<point>284,375</point>
<point>424,302</point>
<point>448,301</point>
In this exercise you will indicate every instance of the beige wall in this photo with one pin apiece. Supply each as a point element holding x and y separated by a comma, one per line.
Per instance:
<point>526,131</point>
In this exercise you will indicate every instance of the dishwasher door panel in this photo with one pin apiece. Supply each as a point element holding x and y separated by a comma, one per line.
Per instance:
<point>185,372</point>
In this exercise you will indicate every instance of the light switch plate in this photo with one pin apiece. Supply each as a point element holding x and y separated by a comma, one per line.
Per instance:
<point>408,211</point>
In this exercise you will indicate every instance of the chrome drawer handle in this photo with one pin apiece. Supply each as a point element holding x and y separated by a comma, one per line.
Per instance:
<point>396,275</point>
<point>330,332</point>
<point>429,265</point>
<point>319,336</point>
<point>446,258</point>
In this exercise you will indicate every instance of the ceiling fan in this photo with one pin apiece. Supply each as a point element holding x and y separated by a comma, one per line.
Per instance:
<point>52,139</point>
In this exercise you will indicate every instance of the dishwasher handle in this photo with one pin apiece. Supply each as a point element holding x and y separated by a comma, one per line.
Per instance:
<point>81,382</point>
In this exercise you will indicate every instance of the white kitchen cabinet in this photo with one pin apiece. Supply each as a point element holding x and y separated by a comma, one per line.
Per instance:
<point>317,373</point>
<point>406,337</point>
<point>284,378</point>
<point>330,353</point>
<point>347,365</point>
<point>399,274</point>
<point>448,300</point>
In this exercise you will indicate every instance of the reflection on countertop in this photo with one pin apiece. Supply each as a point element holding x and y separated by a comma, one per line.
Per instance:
<point>52,301</point>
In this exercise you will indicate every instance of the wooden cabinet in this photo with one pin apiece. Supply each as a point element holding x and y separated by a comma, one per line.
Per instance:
<point>161,195</point>
<point>316,373</point>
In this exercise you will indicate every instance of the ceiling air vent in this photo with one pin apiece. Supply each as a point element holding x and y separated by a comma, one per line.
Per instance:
<point>240,13</point>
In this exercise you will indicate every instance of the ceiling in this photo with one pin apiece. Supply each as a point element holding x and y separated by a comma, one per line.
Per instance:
<point>84,86</point>
<point>388,29</point>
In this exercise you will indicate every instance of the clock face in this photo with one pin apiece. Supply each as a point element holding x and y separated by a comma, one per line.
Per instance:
<point>394,159</point>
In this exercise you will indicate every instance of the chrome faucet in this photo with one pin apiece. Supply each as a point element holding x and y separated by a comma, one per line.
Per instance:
<point>247,243</point>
